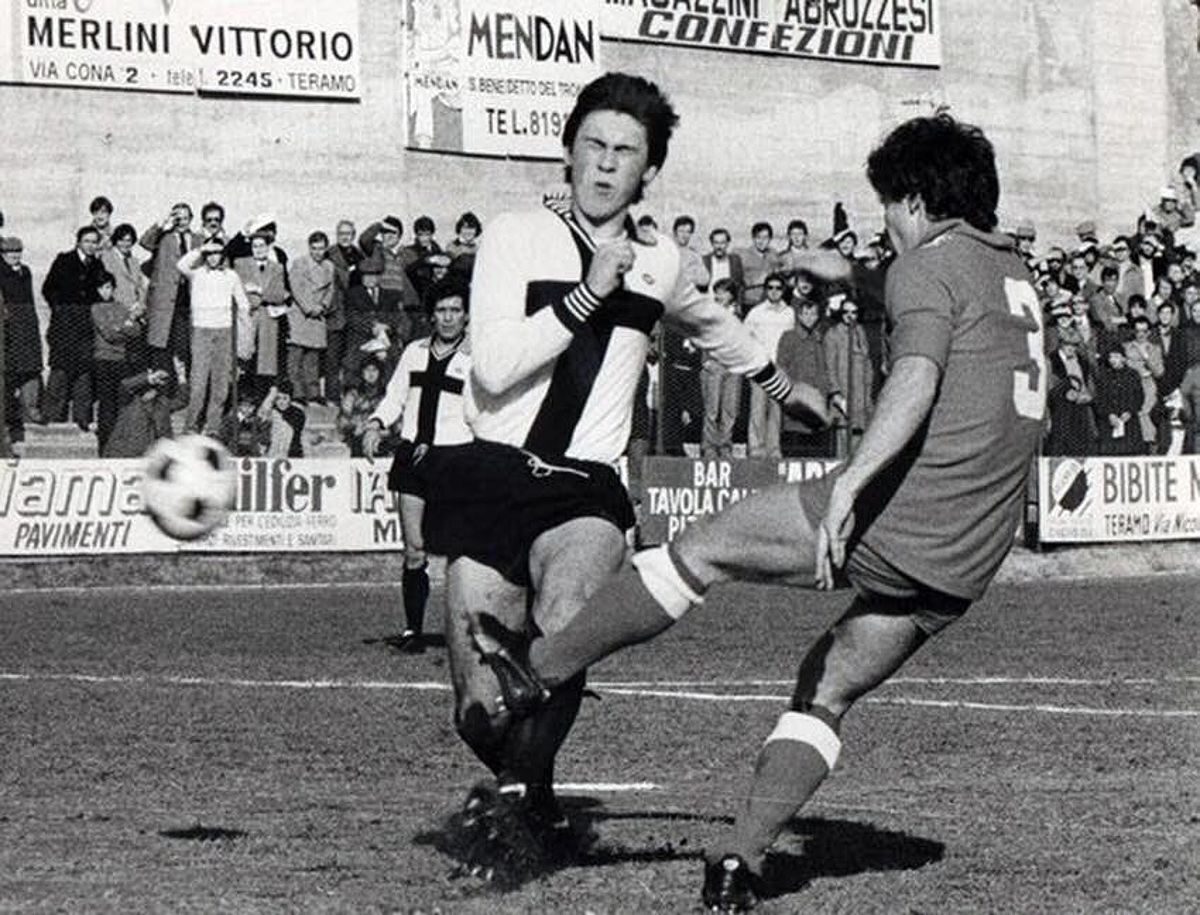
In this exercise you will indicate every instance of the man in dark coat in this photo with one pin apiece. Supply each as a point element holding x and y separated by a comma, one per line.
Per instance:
<point>345,256</point>
<point>375,316</point>
<point>69,288</point>
<point>22,351</point>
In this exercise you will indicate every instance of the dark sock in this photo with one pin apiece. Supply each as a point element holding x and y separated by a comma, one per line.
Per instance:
<point>531,744</point>
<point>415,584</point>
<point>793,762</point>
<point>635,605</point>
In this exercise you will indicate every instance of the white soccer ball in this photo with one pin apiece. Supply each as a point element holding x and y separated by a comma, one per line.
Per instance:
<point>189,485</point>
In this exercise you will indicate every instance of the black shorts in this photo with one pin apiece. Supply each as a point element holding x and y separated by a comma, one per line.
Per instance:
<point>402,476</point>
<point>875,578</point>
<point>490,502</point>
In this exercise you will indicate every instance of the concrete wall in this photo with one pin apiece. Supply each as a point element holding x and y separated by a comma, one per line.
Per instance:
<point>1078,96</point>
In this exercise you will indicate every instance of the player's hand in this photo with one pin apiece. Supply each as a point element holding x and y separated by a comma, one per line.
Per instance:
<point>371,440</point>
<point>611,262</point>
<point>832,535</point>
<point>807,404</point>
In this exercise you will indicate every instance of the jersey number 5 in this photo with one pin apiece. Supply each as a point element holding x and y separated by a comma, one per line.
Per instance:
<point>1029,381</point>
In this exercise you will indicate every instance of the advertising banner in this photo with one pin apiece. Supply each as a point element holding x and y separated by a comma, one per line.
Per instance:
<point>890,32</point>
<point>93,506</point>
<point>1099,500</point>
<point>265,47</point>
<point>677,491</point>
<point>496,77</point>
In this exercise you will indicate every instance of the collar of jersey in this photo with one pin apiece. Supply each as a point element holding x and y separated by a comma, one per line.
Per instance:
<point>562,206</point>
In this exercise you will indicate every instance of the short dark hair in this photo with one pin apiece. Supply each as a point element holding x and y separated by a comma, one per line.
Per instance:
<point>1166,304</point>
<point>1109,273</point>
<point>318,235</point>
<point>424,224</point>
<point>684,220</point>
<point>635,96</point>
<point>124,230</point>
<point>449,286</point>
<point>798,224</point>
<point>719,230</point>
<point>1136,299</point>
<point>647,220</point>
<point>86,230</point>
<point>183,205</point>
<point>761,227</point>
<point>211,207</point>
<point>950,165</point>
<point>726,284</point>
<point>1141,319</point>
<point>468,219</point>
<point>100,203</point>
<point>776,277</point>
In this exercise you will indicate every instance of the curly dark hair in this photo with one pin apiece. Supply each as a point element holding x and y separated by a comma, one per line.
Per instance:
<point>949,164</point>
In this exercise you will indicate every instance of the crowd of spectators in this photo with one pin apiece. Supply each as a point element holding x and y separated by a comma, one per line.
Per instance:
<point>241,340</point>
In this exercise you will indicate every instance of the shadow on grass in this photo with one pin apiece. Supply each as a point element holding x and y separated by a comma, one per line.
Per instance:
<point>832,848</point>
<point>842,848</point>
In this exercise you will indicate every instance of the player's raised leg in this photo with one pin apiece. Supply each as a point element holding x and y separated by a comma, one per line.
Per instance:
<point>756,538</point>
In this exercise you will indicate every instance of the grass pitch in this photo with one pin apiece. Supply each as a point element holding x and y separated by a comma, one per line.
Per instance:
<point>241,750</point>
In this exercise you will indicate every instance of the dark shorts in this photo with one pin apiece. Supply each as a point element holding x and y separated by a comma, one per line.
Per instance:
<point>403,476</point>
<point>490,502</point>
<point>876,579</point>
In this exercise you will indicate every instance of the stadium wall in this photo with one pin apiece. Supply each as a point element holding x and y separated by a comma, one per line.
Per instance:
<point>1091,103</point>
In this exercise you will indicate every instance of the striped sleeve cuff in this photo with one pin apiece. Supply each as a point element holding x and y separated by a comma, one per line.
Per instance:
<point>576,307</point>
<point>777,385</point>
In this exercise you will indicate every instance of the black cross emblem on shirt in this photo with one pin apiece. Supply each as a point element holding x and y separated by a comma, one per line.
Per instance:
<point>432,382</point>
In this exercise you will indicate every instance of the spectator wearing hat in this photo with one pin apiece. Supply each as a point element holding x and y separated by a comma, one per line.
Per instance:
<point>345,256</point>
<point>759,261</point>
<point>262,225</point>
<point>1069,399</point>
<point>1062,319</point>
<point>101,210</point>
<point>382,241</point>
<point>312,291</point>
<point>69,289</point>
<point>1145,357</point>
<point>1055,264</point>
<point>22,351</point>
<point>1025,236</point>
<point>1118,401</point>
<point>375,317</point>
<point>1169,213</point>
<point>216,291</point>
<point>116,324</point>
<point>463,249</point>
<point>1085,231</point>
<point>168,323</point>
<point>144,416</point>
<point>265,285</point>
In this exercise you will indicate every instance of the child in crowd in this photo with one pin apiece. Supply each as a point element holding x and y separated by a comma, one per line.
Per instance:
<point>117,324</point>
<point>285,422</point>
<point>144,417</point>
<point>358,403</point>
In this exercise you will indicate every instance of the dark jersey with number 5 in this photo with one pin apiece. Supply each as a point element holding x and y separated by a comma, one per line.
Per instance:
<point>945,511</point>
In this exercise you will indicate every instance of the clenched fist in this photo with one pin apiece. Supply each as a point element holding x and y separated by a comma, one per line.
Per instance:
<point>611,262</point>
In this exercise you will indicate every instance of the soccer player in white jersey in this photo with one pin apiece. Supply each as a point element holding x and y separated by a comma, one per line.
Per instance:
<point>532,514</point>
<point>426,392</point>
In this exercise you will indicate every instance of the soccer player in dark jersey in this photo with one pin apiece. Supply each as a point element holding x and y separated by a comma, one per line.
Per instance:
<point>917,522</point>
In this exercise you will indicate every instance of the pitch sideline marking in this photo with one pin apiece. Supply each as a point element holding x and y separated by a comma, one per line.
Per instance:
<point>432,686</point>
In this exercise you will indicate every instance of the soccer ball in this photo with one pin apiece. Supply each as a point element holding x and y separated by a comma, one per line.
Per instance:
<point>189,485</point>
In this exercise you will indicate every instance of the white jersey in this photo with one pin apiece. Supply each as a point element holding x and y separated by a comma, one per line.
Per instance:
<point>427,391</point>
<point>554,368</point>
